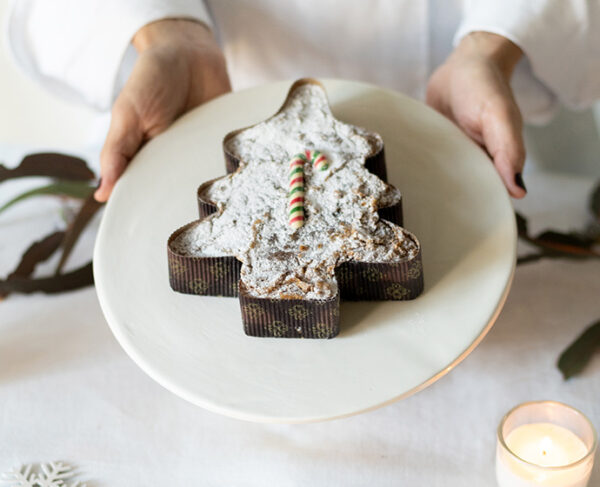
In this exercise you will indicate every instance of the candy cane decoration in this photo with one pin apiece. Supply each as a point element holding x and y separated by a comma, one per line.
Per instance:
<point>317,159</point>
<point>296,193</point>
<point>296,176</point>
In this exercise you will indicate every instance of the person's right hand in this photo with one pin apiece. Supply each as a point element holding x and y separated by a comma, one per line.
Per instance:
<point>179,67</point>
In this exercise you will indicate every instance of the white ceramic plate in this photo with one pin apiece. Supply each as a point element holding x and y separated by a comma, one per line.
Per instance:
<point>195,346</point>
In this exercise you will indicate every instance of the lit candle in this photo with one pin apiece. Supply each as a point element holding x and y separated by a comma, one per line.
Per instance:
<point>545,444</point>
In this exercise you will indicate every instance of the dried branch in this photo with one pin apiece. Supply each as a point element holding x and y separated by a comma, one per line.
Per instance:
<point>88,209</point>
<point>38,252</point>
<point>554,244</point>
<point>59,166</point>
<point>72,179</point>
<point>75,279</point>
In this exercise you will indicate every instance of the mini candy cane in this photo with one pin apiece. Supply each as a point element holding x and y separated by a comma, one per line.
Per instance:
<point>317,159</point>
<point>296,193</point>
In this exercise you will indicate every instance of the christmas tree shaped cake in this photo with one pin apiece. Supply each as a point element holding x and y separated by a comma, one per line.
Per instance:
<point>303,218</point>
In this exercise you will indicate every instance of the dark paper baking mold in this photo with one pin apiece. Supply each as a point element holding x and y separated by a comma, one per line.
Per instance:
<point>295,318</point>
<point>290,318</point>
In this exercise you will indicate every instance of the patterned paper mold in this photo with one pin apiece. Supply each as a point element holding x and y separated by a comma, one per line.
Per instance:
<point>290,280</point>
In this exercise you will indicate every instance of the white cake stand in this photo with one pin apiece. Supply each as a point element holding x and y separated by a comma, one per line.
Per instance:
<point>195,346</point>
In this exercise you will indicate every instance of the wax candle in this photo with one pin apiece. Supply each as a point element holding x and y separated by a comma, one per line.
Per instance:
<point>545,444</point>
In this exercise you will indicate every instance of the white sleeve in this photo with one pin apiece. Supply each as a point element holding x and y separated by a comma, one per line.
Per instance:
<point>561,42</point>
<point>75,48</point>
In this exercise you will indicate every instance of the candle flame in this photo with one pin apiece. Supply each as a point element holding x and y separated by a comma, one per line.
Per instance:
<point>545,444</point>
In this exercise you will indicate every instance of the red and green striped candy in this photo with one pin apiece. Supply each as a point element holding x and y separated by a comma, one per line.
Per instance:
<point>317,159</point>
<point>296,188</point>
<point>296,191</point>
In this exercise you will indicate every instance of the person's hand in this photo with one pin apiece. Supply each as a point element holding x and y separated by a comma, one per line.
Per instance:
<point>472,89</point>
<point>179,66</point>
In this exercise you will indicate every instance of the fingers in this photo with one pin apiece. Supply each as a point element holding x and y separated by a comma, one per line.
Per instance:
<point>473,91</point>
<point>125,137</point>
<point>502,134</point>
<point>435,96</point>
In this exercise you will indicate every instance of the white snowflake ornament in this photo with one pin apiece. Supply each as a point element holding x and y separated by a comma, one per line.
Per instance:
<point>52,474</point>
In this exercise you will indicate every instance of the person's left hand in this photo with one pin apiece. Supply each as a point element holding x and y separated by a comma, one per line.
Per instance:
<point>472,88</point>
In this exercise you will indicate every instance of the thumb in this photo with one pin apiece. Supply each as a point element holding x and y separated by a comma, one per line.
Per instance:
<point>502,133</point>
<point>125,137</point>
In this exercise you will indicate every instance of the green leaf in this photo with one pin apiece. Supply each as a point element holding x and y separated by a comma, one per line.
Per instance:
<point>72,189</point>
<point>574,359</point>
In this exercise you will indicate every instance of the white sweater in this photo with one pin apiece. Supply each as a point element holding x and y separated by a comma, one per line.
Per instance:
<point>81,49</point>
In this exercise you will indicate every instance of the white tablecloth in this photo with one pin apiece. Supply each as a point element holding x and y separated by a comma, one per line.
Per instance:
<point>69,392</point>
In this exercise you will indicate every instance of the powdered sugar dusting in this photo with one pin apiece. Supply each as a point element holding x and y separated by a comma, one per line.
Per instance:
<point>340,204</point>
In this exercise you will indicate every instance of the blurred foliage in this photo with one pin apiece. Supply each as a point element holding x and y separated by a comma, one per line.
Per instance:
<point>71,178</point>
<point>584,244</point>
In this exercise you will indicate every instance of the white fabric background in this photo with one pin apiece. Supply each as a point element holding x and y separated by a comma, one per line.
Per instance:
<point>69,392</point>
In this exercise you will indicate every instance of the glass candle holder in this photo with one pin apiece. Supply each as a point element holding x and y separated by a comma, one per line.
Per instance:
<point>545,444</point>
